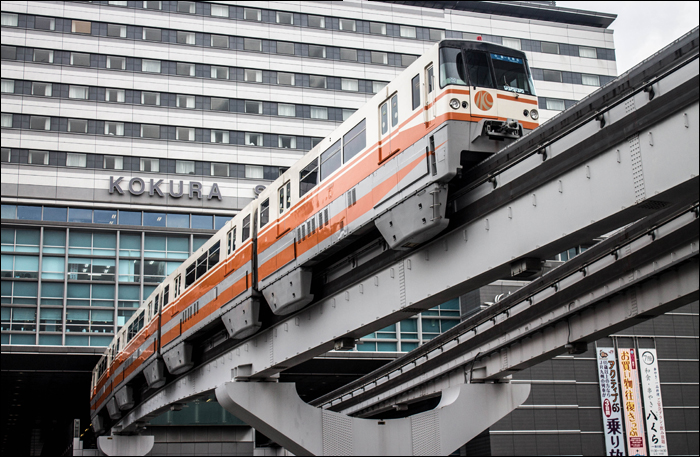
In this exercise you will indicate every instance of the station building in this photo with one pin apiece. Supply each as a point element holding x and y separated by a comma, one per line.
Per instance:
<point>133,130</point>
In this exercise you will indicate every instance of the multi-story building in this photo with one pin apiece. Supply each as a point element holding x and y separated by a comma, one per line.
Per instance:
<point>132,130</point>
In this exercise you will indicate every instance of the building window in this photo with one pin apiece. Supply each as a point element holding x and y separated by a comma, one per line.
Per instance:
<point>185,101</point>
<point>186,7</point>
<point>348,54</point>
<point>550,48</point>
<point>552,75</point>
<point>251,14</point>
<point>79,59</point>
<point>590,80</point>
<point>113,163</point>
<point>40,123</point>
<point>115,30</point>
<point>407,60</point>
<point>116,63</point>
<point>377,86</point>
<point>219,72</point>
<point>8,86</point>
<point>184,167</point>
<point>219,104</point>
<point>185,38</point>
<point>219,169</point>
<point>349,84</point>
<point>317,51</point>
<point>319,112</point>
<point>377,28</point>
<point>254,171</point>
<point>253,139</point>
<point>184,134</point>
<point>150,131</point>
<point>44,23</point>
<point>436,35</point>
<point>152,5</point>
<point>76,160</point>
<point>185,69</point>
<point>38,157</point>
<point>251,44</point>
<point>149,165</point>
<point>10,19</point>
<point>347,25</point>
<point>152,34</point>
<point>285,18</point>
<point>285,48</point>
<point>150,66</point>
<point>6,120</point>
<point>555,105</point>
<point>589,53</point>
<point>380,57</point>
<point>150,98</point>
<point>77,125</point>
<point>317,82</point>
<point>43,89</point>
<point>43,55</point>
<point>219,41</point>
<point>318,22</point>
<point>407,31</point>
<point>114,95</point>
<point>285,79</point>
<point>287,110</point>
<point>347,113</point>
<point>114,128</point>
<point>252,107</point>
<point>219,136</point>
<point>80,92</point>
<point>118,3</point>
<point>9,52</point>
<point>81,27</point>
<point>254,76</point>
<point>471,36</point>
<point>511,42</point>
<point>219,10</point>
<point>5,155</point>
<point>287,142</point>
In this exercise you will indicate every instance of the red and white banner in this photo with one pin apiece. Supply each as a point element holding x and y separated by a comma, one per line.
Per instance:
<point>634,417</point>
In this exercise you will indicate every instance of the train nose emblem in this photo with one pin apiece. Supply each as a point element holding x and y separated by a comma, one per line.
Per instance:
<point>483,100</point>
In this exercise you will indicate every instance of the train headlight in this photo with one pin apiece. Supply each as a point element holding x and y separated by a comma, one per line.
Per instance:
<point>455,104</point>
<point>534,114</point>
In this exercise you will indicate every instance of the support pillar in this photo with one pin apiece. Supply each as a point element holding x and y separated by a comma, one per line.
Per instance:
<point>125,444</point>
<point>276,410</point>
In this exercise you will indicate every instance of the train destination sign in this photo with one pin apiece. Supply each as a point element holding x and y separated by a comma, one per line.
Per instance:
<point>176,189</point>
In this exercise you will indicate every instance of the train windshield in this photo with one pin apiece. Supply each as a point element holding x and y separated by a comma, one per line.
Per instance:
<point>452,67</point>
<point>511,74</point>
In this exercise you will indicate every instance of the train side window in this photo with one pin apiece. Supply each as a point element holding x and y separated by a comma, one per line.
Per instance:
<point>288,188</point>
<point>330,160</point>
<point>176,289</point>
<point>354,141</point>
<point>415,91</point>
<point>190,274</point>
<point>384,116</point>
<point>308,177</point>
<point>430,78</point>
<point>479,70</point>
<point>201,265</point>
<point>166,295</point>
<point>231,241</point>
<point>264,212</point>
<point>213,255</point>
<point>394,110</point>
<point>285,197</point>
<point>245,234</point>
<point>156,305</point>
<point>280,192</point>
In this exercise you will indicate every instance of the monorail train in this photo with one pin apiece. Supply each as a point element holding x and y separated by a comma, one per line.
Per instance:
<point>387,166</point>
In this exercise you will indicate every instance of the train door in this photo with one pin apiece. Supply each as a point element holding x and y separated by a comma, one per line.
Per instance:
<point>482,94</point>
<point>388,124</point>
<point>429,110</point>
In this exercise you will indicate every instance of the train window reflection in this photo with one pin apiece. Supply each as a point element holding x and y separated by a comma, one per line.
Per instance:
<point>452,67</point>
<point>511,74</point>
<point>478,68</point>
<point>245,234</point>
<point>308,177</point>
<point>330,160</point>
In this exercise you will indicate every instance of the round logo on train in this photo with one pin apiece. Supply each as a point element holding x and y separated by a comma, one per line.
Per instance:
<point>483,100</point>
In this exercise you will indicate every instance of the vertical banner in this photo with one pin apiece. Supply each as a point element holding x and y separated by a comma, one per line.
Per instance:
<point>610,401</point>
<point>651,393</point>
<point>634,424</point>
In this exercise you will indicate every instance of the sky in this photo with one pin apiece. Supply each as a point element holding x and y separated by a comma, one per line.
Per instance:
<point>642,28</point>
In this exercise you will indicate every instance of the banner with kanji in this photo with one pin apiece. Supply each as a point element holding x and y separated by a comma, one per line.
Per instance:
<point>631,401</point>
<point>610,400</point>
<point>654,410</point>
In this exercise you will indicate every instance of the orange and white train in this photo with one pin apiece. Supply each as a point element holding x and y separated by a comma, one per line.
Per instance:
<point>387,166</point>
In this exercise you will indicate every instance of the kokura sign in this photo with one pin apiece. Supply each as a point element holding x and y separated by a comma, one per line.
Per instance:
<point>176,189</point>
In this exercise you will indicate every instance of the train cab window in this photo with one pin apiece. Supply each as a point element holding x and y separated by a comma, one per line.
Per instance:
<point>394,110</point>
<point>452,67</point>
<point>202,265</point>
<point>213,255</point>
<point>354,141</point>
<point>245,233</point>
<point>511,74</point>
<point>308,177</point>
<point>190,274</point>
<point>478,69</point>
<point>285,196</point>
<point>264,212</point>
<point>415,91</point>
<point>176,289</point>
<point>231,241</point>
<point>330,160</point>
<point>166,295</point>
